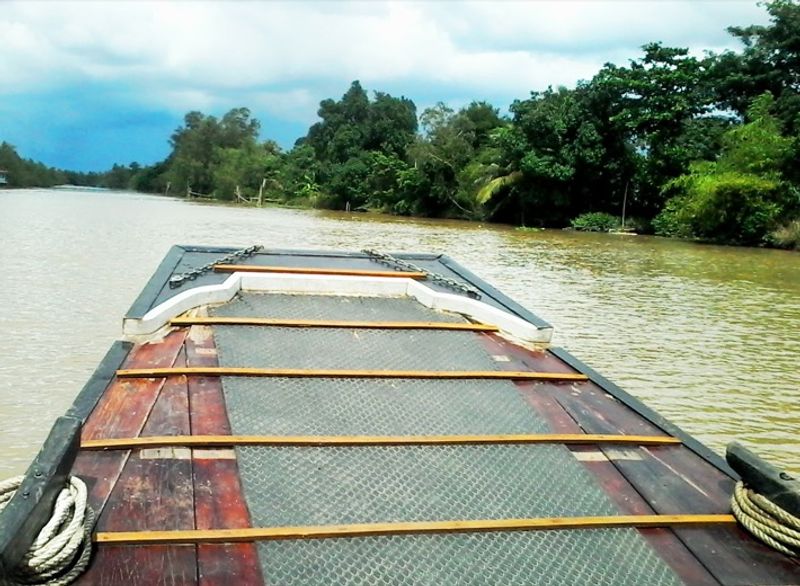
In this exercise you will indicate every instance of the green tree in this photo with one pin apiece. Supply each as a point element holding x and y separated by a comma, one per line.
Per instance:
<point>195,144</point>
<point>245,169</point>
<point>26,172</point>
<point>769,62</point>
<point>563,154</point>
<point>349,134</point>
<point>742,196</point>
<point>453,158</point>
<point>658,97</point>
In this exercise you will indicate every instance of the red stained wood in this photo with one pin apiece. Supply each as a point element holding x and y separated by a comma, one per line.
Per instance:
<point>546,399</point>
<point>228,564</point>
<point>154,489</point>
<point>126,404</point>
<point>664,541</point>
<point>170,413</point>
<point>209,416</point>
<point>121,411</point>
<point>674,480</point>
<point>522,358</point>
<point>219,499</point>
<point>152,493</point>
<point>220,504</point>
<point>142,566</point>
<point>100,471</point>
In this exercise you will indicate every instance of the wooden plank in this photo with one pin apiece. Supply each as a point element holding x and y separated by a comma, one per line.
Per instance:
<point>154,565</point>
<point>318,323</point>
<point>216,441</point>
<point>407,528</point>
<point>207,405</point>
<point>327,373</point>
<point>219,498</point>
<point>125,406</point>
<point>122,411</point>
<point>540,397</point>
<point>678,480</point>
<point>317,271</point>
<point>220,502</point>
<point>644,411</point>
<point>154,492</point>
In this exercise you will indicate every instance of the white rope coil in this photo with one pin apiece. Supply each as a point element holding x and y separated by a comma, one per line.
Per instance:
<point>766,520</point>
<point>61,551</point>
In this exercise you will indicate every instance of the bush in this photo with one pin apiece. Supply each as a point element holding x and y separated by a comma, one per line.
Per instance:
<point>787,236</point>
<point>595,222</point>
<point>669,221</point>
<point>738,208</point>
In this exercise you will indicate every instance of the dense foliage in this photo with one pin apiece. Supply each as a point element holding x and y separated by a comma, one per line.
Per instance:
<point>696,147</point>
<point>26,173</point>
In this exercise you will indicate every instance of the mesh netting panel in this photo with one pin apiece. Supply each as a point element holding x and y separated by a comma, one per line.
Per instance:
<point>321,348</point>
<point>331,308</point>
<point>334,485</point>
<point>305,406</point>
<point>309,486</point>
<point>606,557</point>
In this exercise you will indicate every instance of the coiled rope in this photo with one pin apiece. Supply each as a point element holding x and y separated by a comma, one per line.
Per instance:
<point>766,520</point>
<point>61,551</point>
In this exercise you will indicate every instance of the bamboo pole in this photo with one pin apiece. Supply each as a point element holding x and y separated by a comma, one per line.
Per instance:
<point>331,373</point>
<point>222,441</point>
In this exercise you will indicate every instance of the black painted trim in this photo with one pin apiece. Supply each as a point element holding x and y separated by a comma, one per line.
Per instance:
<point>216,249</point>
<point>156,283</point>
<point>30,508</point>
<point>764,478</point>
<point>493,292</point>
<point>86,400</point>
<point>640,408</point>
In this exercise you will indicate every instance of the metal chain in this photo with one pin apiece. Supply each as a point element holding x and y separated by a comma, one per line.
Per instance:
<point>399,264</point>
<point>176,281</point>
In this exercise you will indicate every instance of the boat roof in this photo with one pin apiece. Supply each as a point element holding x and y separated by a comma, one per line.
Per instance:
<point>324,428</point>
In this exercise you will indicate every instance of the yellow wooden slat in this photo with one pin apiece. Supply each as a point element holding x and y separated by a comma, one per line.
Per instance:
<point>410,528</point>
<point>314,271</point>
<point>327,373</point>
<point>212,441</point>
<point>318,323</point>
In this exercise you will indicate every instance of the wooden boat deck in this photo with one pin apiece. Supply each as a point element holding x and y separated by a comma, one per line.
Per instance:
<point>171,487</point>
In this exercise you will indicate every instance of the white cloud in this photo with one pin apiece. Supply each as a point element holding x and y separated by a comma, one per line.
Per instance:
<point>590,26</point>
<point>185,55</point>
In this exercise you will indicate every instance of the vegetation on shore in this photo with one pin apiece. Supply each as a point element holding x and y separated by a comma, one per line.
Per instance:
<point>704,148</point>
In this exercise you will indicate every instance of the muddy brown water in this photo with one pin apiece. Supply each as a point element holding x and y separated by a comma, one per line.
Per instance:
<point>708,336</point>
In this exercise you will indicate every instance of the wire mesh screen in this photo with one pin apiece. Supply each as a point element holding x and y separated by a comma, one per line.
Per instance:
<point>337,485</point>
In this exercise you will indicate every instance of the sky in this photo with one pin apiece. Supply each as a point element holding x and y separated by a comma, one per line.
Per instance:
<point>84,85</point>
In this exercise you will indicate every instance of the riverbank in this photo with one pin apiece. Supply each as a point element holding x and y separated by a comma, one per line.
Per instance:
<point>786,237</point>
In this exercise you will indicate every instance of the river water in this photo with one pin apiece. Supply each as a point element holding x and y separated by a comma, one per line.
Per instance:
<point>706,335</point>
